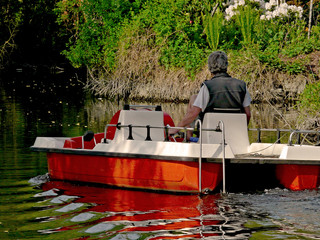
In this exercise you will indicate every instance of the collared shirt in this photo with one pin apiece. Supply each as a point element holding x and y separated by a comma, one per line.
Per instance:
<point>203,98</point>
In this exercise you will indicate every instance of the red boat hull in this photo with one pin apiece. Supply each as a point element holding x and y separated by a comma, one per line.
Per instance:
<point>298,177</point>
<point>142,173</point>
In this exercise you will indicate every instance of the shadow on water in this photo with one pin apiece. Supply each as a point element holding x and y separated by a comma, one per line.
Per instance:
<point>55,105</point>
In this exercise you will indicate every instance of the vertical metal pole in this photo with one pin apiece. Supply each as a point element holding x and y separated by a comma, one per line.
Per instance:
<point>223,158</point>
<point>105,134</point>
<point>299,138</point>
<point>200,154</point>
<point>167,133</point>
<point>278,136</point>
<point>148,138</point>
<point>259,135</point>
<point>130,132</point>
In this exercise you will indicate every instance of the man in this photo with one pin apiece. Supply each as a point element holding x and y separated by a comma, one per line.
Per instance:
<point>221,92</point>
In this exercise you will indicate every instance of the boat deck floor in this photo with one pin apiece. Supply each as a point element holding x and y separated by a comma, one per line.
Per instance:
<point>269,159</point>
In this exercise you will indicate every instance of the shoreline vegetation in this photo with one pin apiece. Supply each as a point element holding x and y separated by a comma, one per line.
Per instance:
<point>131,80</point>
<point>157,50</point>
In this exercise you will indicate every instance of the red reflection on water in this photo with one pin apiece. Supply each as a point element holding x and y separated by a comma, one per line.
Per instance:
<point>152,210</point>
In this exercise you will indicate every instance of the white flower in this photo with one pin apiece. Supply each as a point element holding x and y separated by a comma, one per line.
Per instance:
<point>270,9</point>
<point>274,2</point>
<point>268,17</point>
<point>283,9</point>
<point>297,11</point>
<point>268,6</point>
<point>241,2</point>
<point>275,13</point>
<point>230,12</point>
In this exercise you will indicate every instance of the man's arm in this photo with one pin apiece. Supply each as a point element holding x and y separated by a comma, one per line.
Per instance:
<point>248,113</point>
<point>187,119</point>
<point>196,104</point>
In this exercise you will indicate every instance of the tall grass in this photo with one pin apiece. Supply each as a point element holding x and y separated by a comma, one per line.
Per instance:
<point>246,21</point>
<point>212,28</point>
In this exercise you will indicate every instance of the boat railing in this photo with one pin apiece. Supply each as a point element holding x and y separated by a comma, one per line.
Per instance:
<point>148,127</point>
<point>129,107</point>
<point>291,131</point>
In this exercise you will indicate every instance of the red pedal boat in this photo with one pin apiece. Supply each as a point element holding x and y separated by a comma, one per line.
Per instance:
<point>135,151</point>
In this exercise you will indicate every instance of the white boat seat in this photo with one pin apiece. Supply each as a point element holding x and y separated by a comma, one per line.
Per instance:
<point>140,118</point>
<point>236,130</point>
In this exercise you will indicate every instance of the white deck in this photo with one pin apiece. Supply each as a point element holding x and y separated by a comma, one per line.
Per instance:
<point>237,149</point>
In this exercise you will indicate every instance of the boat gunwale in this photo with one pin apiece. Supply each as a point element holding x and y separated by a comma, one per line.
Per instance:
<point>114,154</point>
<point>237,160</point>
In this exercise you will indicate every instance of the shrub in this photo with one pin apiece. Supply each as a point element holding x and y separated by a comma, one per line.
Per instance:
<point>310,98</point>
<point>213,24</point>
<point>185,31</point>
<point>95,27</point>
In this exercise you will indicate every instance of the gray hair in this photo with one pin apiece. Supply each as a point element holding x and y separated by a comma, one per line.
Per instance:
<point>218,62</point>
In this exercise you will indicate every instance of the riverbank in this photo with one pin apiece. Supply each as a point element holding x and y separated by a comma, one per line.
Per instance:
<point>64,110</point>
<point>140,77</point>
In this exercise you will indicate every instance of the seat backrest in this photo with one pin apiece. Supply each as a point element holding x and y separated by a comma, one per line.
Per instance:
<point>140,118</point>
<point>236,130</point>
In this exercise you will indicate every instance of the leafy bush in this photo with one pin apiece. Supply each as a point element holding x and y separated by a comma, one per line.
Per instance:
<point>310,98</point>
<point>178,32</point>
<point>95,27</point>
<point>213,27</point>
<point>28,32</point>
<point>10,19</point>
<point>185,31</point>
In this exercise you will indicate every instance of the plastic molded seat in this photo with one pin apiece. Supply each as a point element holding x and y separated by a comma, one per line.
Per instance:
<point>236,130</point>
<point>140,118</point>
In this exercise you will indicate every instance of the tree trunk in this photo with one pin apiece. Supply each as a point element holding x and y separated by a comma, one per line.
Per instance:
<point>310,18</point>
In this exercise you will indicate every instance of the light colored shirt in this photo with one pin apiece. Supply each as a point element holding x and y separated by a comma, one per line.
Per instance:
<point>203,98</point>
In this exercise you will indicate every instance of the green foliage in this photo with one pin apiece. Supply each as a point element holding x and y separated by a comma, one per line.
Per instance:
<point>99,26</point>
<point>95,26</point>
<point>315,36</point>
<point>10,20</point>
<point>178,32</point>
<point>310,98</point>
<point>213,27</point>
<point>246,21</point>
<point>184,31</point>
<point>29,32</point>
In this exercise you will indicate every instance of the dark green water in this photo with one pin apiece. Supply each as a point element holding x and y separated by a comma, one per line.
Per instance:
<point>32,106</point>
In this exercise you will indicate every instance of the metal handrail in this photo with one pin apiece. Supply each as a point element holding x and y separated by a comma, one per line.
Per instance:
<point>283,130</point>
<point>143,106</point>
<point>292,131</point>
<point>199,124</point>
<point>145,126</point>
<point>223,142</point>
<point>219,128</point>
<point>299,132</point>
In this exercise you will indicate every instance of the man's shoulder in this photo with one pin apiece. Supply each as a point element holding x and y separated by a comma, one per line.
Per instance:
<point>239,81</point>
<point>226,77</point>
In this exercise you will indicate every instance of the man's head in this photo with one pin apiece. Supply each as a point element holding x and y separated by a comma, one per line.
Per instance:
<point>218,62</point>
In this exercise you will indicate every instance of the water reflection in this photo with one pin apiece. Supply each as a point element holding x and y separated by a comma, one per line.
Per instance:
<point>125,214</point>
<point>98,212</point>
<point>33,107</point>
